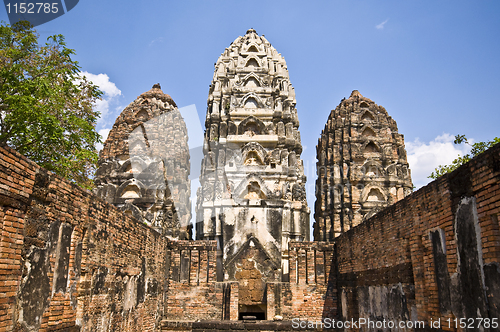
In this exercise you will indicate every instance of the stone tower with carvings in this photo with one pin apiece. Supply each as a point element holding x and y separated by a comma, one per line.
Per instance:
<point>252,196</point>
<point>144,164</point>
<point>361,166</point>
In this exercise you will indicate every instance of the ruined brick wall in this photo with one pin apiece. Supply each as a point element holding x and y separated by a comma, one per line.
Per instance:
<point>17,176</point>
<point>193,291</point>
<point>70,261</point>
<point>308,295</point>
<point>433,255</point>
<point>375,266</point>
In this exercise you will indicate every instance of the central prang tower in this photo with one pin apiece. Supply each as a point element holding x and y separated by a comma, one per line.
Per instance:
<point>252,197</point>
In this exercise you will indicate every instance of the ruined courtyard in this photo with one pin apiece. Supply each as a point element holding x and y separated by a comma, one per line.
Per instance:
<point>131,257</point>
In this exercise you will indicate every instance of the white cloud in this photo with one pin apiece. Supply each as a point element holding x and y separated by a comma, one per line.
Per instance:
<point>102,80</point>
<point>104,134</point>
<point>110,96</point>
<point>381,25</point>
<point>425,157</point>
<point>103,107</point>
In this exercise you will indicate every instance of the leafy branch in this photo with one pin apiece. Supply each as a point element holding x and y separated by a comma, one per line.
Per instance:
<point>477,148</point>
<point>46,108</point>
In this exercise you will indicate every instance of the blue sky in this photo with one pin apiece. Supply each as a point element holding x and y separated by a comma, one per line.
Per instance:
<point>434,65</point>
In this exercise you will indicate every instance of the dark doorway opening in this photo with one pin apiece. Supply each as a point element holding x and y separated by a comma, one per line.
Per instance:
<point>252,316</point>
<point>252,312</point>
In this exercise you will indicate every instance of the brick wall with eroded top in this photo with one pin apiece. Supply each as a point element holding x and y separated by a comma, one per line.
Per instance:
<point>70,261</point>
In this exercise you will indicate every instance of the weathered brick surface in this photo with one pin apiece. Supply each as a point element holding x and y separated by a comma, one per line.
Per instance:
<point>17,176</point>
<point>433,255</point>
<point>193,290</point>
<point>307,295</point>
<point>70,261</point>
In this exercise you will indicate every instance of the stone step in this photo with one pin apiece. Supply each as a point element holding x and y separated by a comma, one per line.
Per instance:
<point>227,325</point>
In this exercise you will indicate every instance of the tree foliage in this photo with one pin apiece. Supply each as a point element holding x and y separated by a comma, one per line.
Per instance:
<point>476,149</point>
<point>46,106</point>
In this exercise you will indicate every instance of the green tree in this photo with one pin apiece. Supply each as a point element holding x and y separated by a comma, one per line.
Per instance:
<point>46,107</point>
<point>476,149</point>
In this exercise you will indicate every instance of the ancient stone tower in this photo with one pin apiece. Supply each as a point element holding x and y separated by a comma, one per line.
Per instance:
<point>361,166</point>
<point>144,164</point>
<point>252,197</point>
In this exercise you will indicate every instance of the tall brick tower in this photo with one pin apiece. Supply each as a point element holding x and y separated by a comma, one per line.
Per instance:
<point>361,166</point>
<point>144,164</point>
<point>252,196</point>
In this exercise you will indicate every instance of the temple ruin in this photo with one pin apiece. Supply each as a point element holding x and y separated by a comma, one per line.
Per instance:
<point>121,258</point>
<point>144,164</point>
<point>252,196</point>
<point>361,166</point>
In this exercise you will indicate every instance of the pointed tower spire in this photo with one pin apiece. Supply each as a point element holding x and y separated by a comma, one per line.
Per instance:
<point>362,166</point>
<point>144,164</point>
<point>252,196</point>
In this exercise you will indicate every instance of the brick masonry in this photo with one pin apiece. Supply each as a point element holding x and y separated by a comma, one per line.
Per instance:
<point>193,292</point>
<point>69,260</point>
<point>433,255</point>
<point>307,295</point>
<point>72,262</point>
